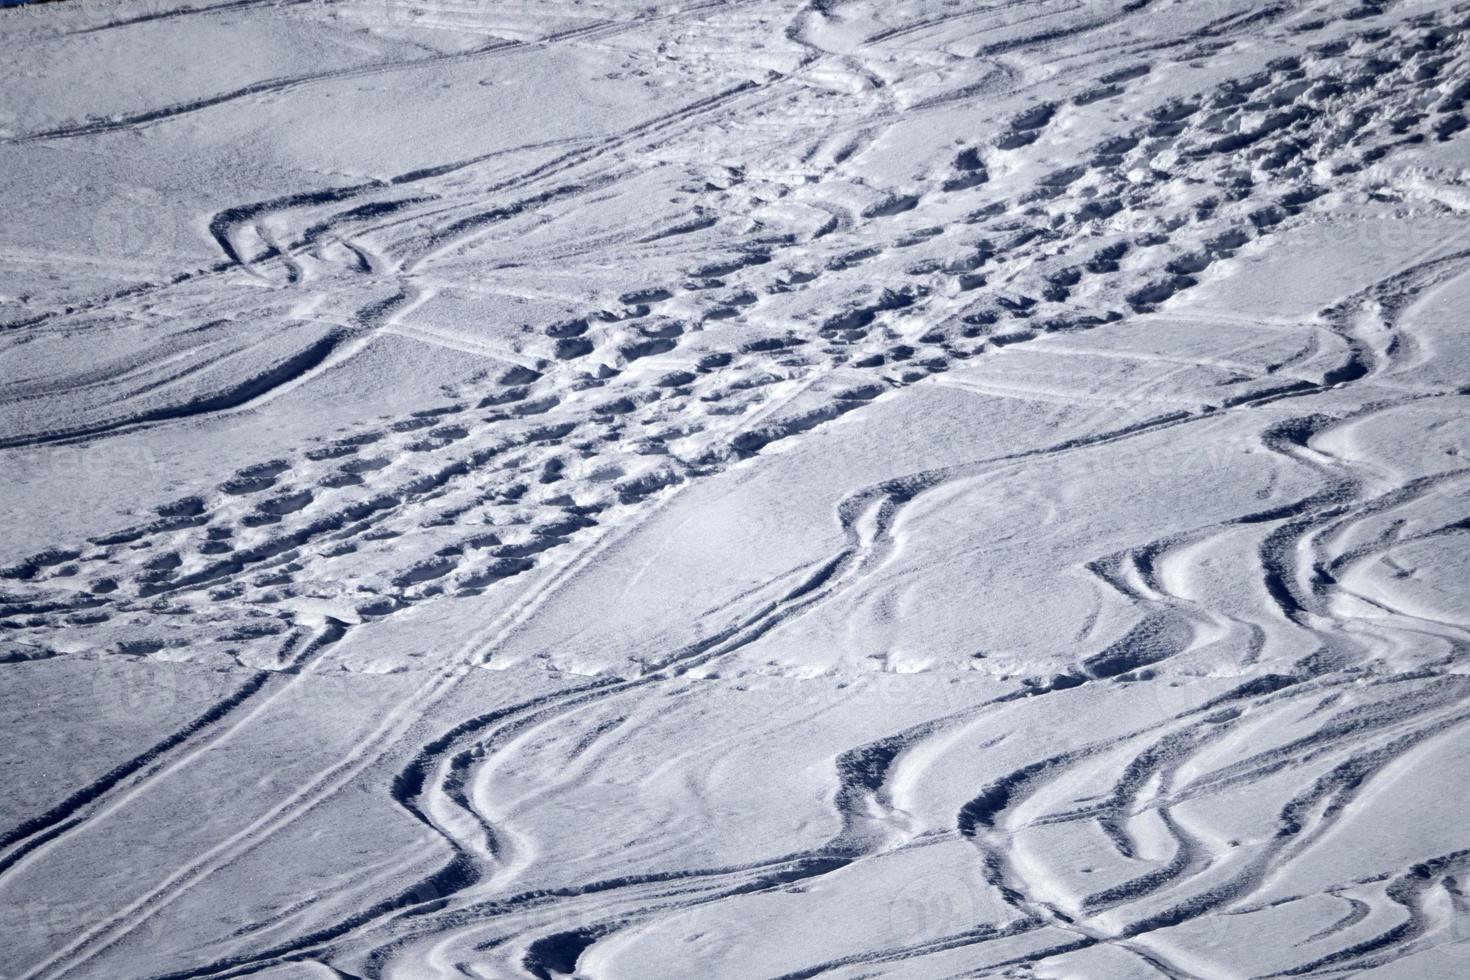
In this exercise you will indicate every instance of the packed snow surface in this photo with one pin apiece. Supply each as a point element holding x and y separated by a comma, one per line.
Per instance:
<point>735,488</point>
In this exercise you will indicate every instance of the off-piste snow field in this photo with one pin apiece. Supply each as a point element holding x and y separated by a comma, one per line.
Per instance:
<point>735,489</point>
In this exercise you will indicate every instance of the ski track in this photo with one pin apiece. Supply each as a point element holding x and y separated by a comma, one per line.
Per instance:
<point>947,270</point>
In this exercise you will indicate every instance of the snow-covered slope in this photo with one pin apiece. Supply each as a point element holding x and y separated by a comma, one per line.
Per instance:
<point>735,488</point>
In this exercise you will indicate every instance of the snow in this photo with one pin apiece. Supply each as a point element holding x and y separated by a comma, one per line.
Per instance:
<point>734,488</point>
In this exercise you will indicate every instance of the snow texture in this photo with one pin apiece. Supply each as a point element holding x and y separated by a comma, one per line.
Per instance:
<point>735,488</point>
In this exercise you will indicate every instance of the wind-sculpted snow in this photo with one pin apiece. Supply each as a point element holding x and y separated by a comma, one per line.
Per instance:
<point>735,488</point>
